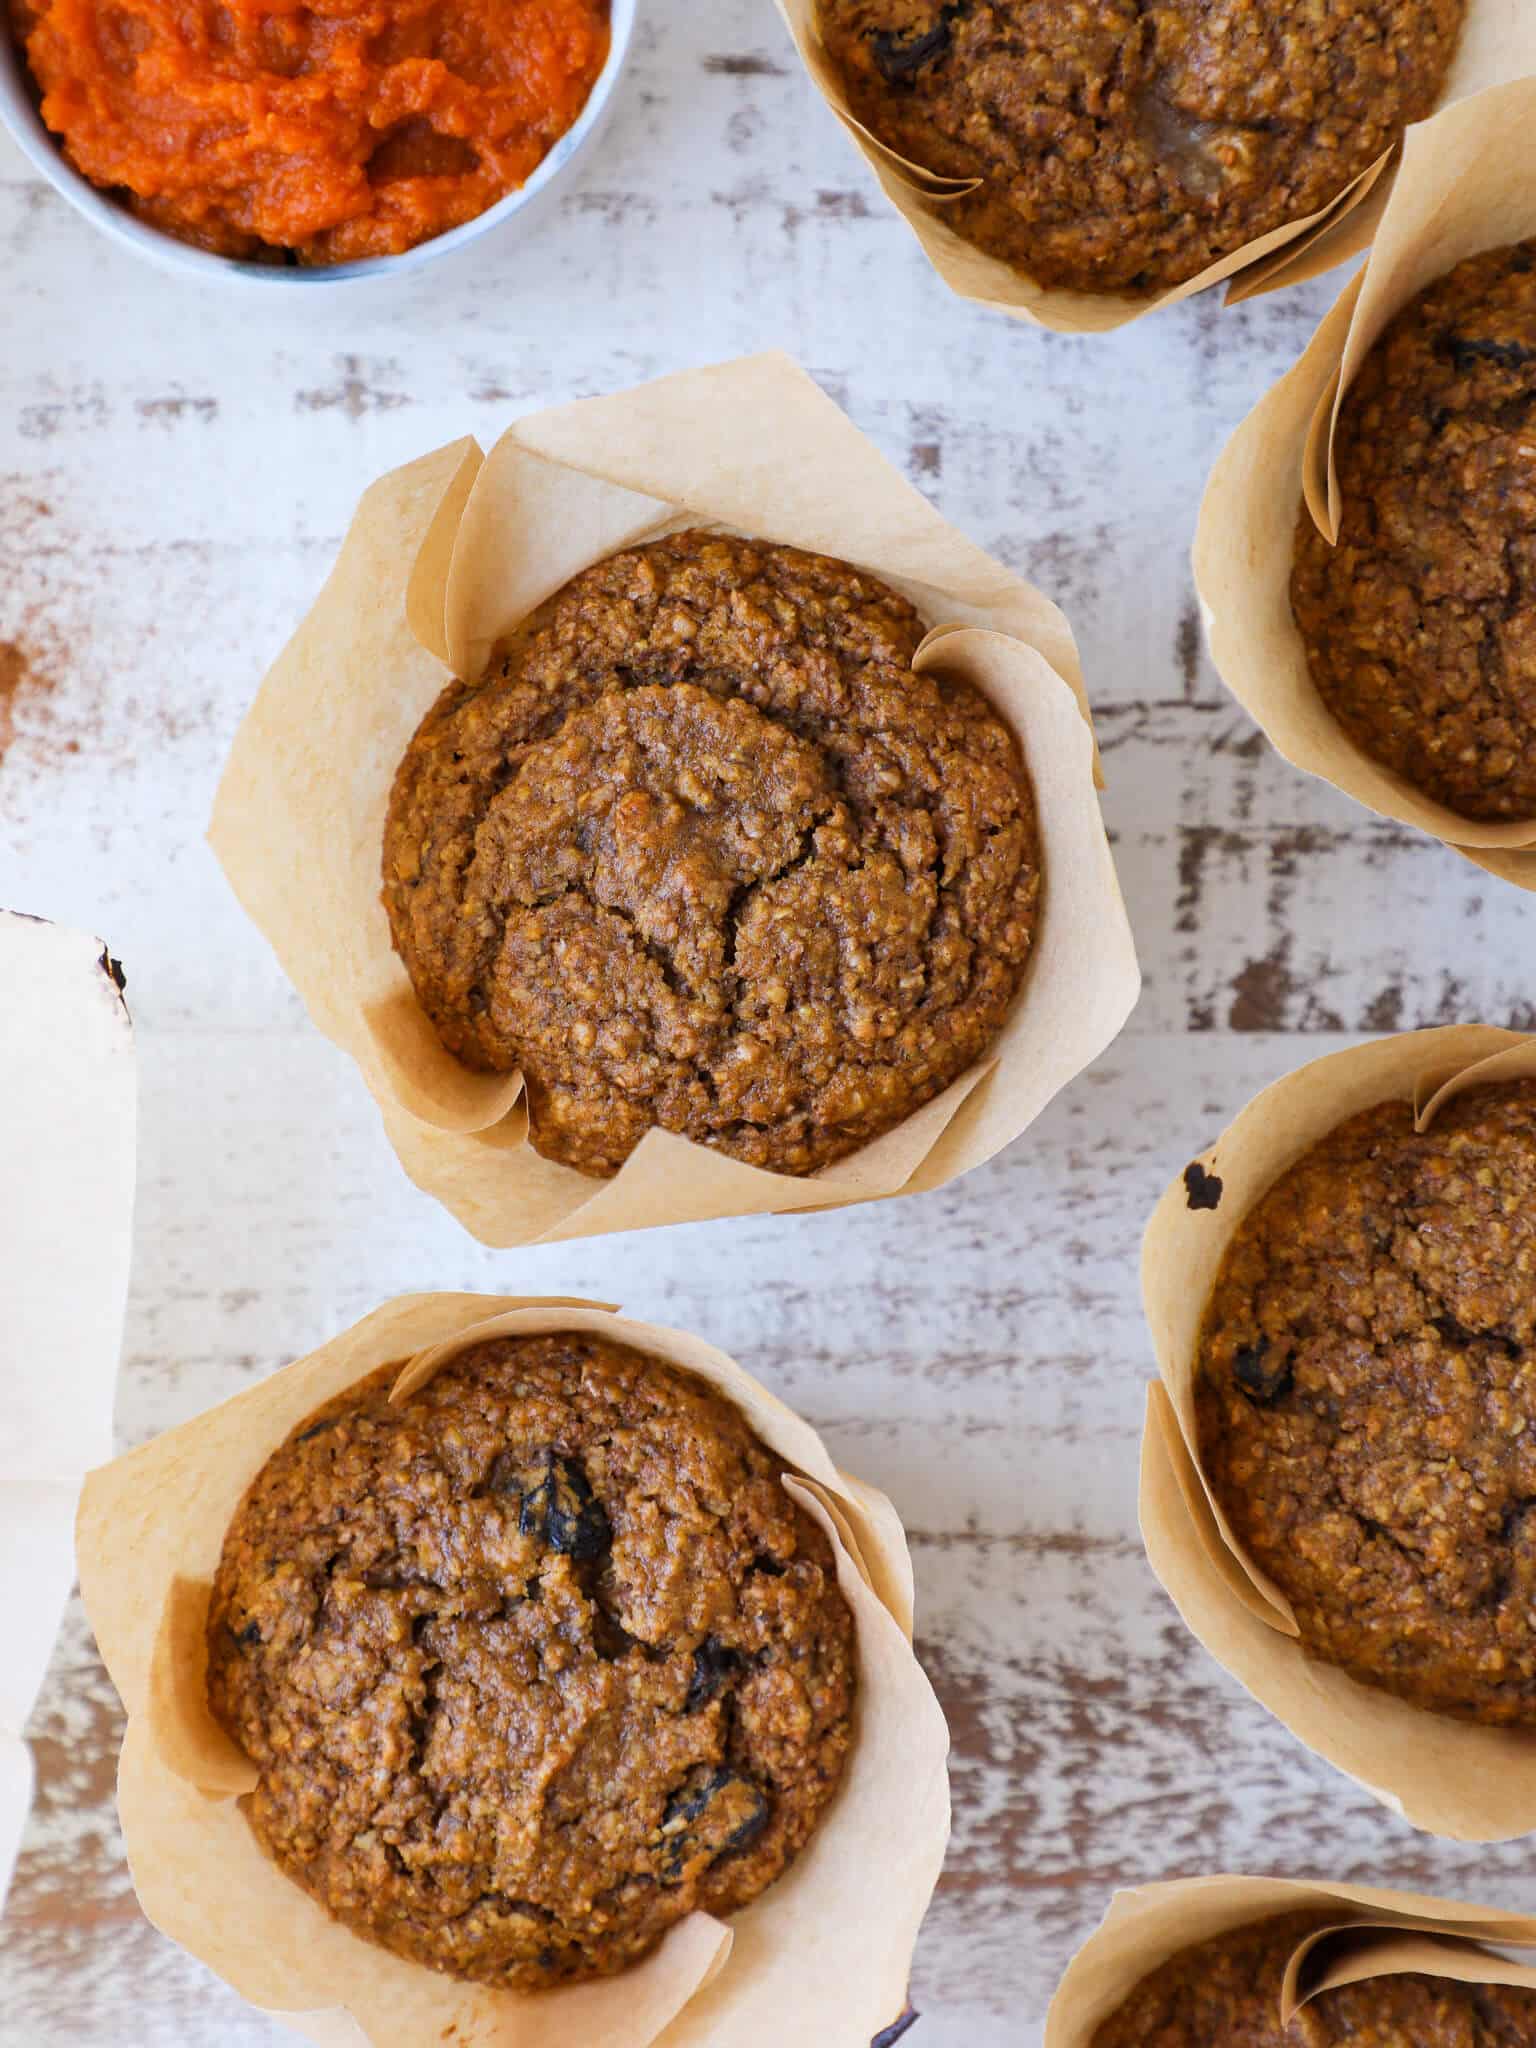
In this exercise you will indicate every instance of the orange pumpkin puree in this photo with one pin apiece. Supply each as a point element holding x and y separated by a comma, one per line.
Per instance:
<point>336,130</point>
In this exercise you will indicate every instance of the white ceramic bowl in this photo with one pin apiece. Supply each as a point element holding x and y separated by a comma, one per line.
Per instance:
<point>20,116</point>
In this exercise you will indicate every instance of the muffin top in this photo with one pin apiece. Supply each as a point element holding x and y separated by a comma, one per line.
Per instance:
<point>1366,1400</point>
<point>1123,148</point>
<point>1420,626</point>
<point>701,851</point>
<point>1225,1993</point>
<point>533,1663</point>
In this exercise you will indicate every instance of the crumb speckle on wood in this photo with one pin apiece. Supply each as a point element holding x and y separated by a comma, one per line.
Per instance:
<point>1202,1190</point>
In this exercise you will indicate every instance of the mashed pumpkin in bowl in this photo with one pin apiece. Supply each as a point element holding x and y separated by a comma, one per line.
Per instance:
<point>317,133</point>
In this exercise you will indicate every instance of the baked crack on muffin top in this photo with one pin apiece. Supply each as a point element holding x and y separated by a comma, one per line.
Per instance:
<point>1366,1400</point>
<point>1225,1993</point>
<point>532,1664</point>
<point>1124,147</point>
<point>702,851</point>
<point>1420,625</point>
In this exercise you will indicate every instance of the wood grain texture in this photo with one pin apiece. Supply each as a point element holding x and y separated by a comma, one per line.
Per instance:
<point>176,468</point>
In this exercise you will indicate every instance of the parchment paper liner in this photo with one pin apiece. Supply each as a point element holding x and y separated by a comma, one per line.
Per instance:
<point>823,1954</point>
<point>1448,1777</point>
<point>66,1215</point>
<point>1377,1934</point>
<point>1498,42</point>
<point>443,558</point>
<point>1454,196</point>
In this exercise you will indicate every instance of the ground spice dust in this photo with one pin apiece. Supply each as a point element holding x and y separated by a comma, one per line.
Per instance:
<point>28,675</point>
<point>49,713</point>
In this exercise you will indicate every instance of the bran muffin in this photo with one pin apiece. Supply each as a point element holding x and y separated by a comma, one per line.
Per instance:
<point>1124,148</point>
<point>702,852</point>
<point>1225,1993</point>
<point>532,1664</point>
<point>1420,625</point>
<point>1366,1400</point>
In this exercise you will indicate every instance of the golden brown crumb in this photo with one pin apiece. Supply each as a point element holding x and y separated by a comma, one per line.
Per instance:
<point>1122,147</point>
<point>1366,1399</point>
<point>533,1664</point>
<point>703,852</point>
<point>1420,625</point>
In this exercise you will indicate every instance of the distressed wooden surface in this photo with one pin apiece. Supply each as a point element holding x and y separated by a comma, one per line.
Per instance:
<point>175,471</point>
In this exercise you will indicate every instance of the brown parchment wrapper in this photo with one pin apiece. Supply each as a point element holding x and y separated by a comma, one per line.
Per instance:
<point>1376,1934</point>
<point>1498,42</point>
<point>448,554</point>
<point>1456,194</point>
<point>67,1146</point>
<point>1448,1777</point>
<point>822,1955</point>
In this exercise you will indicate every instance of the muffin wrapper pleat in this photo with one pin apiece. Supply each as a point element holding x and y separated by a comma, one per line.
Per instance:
<point>1458,192</point>
<point>449,554</point>
<point>1376,1934</point>
<point>1449,1777</point>
<point>1498,42</point>
<point>828,1946</point>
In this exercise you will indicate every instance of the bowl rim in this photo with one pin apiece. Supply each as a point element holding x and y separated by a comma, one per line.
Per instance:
<point>20,117</point>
